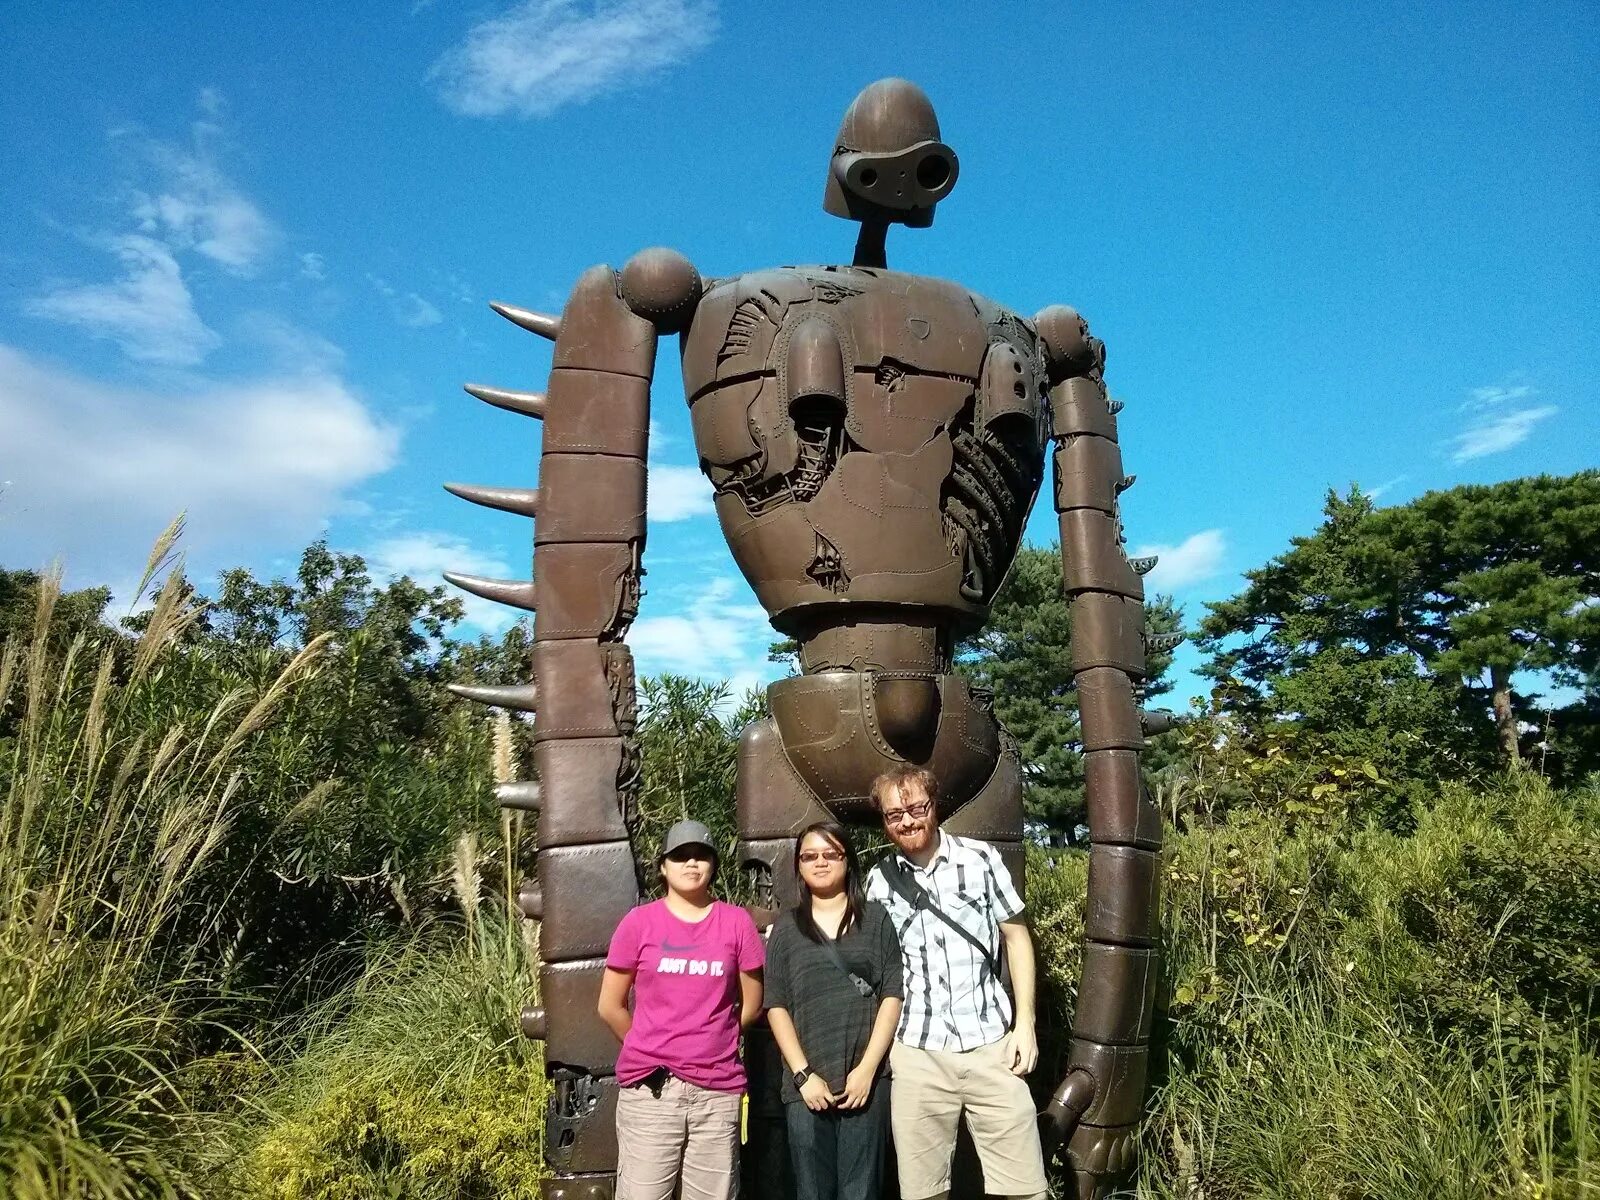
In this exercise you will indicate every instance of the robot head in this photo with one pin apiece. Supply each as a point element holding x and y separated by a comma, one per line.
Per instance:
<point>888,162</point>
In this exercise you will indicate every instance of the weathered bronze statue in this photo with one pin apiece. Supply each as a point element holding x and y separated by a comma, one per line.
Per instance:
<point>875,441</point>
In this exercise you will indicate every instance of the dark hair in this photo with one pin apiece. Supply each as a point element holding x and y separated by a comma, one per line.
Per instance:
<point>855,903</point>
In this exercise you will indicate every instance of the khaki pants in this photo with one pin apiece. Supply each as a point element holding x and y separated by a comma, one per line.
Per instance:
<point>688,1133</point>
<point>932,1088</point>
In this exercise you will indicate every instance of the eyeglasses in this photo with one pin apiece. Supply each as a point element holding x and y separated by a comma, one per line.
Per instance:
<point>895,816</point>
<point>815,856</point>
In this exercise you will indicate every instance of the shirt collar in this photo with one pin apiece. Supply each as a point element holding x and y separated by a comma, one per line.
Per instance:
<point>941,854</point>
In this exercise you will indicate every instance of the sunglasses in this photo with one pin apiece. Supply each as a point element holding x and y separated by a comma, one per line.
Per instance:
<point>816,856</point>
<point>894,816</point>
<point>691,854</point>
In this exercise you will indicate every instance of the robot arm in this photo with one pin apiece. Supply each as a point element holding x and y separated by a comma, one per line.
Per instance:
<point>589,533</point>
<point>1096,1108</point>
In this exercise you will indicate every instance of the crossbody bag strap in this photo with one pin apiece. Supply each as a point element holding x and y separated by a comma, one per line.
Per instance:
<point>899,879</point>
<point>831,949</point>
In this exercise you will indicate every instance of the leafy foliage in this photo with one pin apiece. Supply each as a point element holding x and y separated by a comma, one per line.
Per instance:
<point>74,614</point>
<point>1350,1014</point>
<point>1475,584</point>
<point>415,1084</point>
<point>350,806</point>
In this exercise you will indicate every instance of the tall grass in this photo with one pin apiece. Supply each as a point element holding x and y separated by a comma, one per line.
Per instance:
<point>1322,1094</point>
<point>109,810</point>
<point>417,1083</point>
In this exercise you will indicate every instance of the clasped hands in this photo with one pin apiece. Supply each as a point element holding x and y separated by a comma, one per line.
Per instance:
<point>857,1088</point>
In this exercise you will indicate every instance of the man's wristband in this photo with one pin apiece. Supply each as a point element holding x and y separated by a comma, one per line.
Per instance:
<point>800,1077</point>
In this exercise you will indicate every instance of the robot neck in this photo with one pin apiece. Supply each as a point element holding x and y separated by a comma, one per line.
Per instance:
<point>870,251</point>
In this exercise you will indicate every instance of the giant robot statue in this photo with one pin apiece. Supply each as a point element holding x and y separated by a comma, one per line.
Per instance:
<point>875,441</point>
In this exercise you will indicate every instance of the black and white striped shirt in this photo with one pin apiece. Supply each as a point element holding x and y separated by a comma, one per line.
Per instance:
<point>953,1000</point>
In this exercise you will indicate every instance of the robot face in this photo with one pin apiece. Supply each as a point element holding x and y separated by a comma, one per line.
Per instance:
<point>889,165</point>
<point>900,187</point>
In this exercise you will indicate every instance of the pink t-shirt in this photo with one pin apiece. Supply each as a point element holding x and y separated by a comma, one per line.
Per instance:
<point>685,992</point>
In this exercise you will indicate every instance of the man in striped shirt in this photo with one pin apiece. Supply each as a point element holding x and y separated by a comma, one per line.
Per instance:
<point>962,1046</point>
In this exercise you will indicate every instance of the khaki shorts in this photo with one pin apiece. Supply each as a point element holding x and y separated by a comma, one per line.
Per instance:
<point>931,1090</point>
<point>683,1143</point>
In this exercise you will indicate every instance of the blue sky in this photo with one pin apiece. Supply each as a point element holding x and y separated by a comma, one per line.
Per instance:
<point>244,258</point>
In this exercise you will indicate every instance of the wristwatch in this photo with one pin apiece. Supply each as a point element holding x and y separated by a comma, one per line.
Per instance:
<point>800,1077</point>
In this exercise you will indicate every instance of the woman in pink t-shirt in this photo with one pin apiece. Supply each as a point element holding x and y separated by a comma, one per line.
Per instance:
<point>694,967</point>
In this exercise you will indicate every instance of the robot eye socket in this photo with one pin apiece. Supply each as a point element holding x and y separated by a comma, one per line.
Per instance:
<point>868,177</point>
<point>933,172</point>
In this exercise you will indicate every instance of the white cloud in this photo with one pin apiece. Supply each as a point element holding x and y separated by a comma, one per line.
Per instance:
<point>678,493</point>
<point>1196,558</point>
<point>407,308</point>
<point>414,312</point>
<point>313,266</point>
<point>1497,395</point>
<point>1376,493</point>
<point>185,204</point>
<point>427,555</point>
<point>1498,419</point>
<point>718,632</point>
<point>291,347</point>
<point>453,286</point>
<point>96,471</point>
<point>193,205</point>
<point>544,54</point>
<point>148,312</point>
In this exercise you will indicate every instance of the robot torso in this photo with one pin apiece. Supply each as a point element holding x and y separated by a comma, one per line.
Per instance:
<point>875,440</point>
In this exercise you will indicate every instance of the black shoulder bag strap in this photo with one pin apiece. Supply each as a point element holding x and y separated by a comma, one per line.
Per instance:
<point>831,948</point>
<point>909,890</point>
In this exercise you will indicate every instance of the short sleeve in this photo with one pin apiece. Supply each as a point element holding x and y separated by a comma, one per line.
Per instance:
<point>776,980</point>
<point>623,953</point>
<point>893,968</point>
<point>751,953</point>
<point>1007,903</point>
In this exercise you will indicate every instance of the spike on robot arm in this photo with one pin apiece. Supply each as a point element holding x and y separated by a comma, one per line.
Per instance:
<point>589,535</point>
<point>1095,1110</point>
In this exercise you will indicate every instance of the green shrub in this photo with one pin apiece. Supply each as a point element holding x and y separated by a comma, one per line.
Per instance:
<point>1486,921</point>
<point>1057,881</point>
<point>416,1084</point>
<point>477,1140</point>
<point>1366,1013</point>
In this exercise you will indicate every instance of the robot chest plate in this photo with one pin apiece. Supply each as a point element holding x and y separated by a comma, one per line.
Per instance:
<point>872,436</point>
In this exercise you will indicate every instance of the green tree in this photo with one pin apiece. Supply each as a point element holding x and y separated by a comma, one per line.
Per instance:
<point>353,804</point>
<point>80,612</point>
<point>1476,584</point>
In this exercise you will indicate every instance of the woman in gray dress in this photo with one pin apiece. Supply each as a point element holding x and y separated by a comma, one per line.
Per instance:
<point>833,993</point>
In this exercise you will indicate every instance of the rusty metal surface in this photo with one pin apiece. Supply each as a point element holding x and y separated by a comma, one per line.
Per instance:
<point>1120,811</point>
<point>875,441</point>
<point>1094,1114</point>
